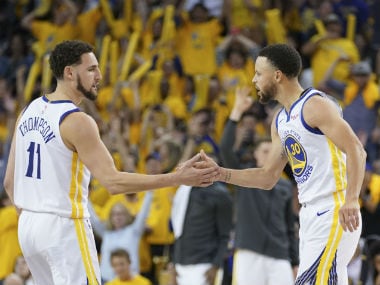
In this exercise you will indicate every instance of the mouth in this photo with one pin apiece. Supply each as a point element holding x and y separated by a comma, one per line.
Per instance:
<point>258,91</point>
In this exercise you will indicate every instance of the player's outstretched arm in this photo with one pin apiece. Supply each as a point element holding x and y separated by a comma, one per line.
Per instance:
<point>259,177</point>
<point>80,133</point>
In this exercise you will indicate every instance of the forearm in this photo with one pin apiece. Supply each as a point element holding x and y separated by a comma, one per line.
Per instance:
<point>125,182</point>
<point>250,177</point>
<point>355,172</point>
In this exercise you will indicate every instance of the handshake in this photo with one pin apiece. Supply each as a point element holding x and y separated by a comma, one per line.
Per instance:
<point>200,170</point>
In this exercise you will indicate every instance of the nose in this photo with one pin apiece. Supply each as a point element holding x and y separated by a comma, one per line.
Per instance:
<point>99,75</point>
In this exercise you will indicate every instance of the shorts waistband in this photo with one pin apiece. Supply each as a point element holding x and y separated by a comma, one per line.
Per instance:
<point>321,199</point>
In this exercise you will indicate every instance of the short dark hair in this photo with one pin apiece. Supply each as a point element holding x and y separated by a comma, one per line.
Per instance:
<point>284,57</point>
<point>120,252</point>
<point>67,53</point>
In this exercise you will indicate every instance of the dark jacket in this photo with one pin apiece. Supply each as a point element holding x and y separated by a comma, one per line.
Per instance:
<point>207,227</point>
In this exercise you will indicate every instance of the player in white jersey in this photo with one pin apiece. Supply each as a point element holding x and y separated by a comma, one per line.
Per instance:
<point>327,160</point>
<point>55,147</point>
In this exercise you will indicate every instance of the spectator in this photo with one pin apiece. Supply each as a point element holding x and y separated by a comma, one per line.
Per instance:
<point>200,134</point>
<point>325,48</point>
<point>370,202</point>
<point>197,40</point>
<point>121,264</point>
<point>202,221</point>
<point>124,231</point>
<point>360,97</point>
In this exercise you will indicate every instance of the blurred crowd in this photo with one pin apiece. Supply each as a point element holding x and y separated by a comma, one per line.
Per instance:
<point>170,71</point>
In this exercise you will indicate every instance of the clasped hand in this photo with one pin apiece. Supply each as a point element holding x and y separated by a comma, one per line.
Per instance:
<point>206,170</point>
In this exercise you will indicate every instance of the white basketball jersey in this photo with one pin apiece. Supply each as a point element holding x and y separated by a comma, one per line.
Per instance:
<point>319,167</point>
<point>49,177</point>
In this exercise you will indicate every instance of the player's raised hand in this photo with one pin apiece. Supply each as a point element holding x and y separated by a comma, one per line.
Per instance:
<point>243,101</point>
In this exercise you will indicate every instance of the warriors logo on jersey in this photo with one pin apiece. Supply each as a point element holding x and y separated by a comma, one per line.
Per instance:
<point>296,155</point>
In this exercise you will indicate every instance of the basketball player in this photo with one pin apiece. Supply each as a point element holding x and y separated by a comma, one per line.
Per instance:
<point>54,150</point>
<point>327,160</point>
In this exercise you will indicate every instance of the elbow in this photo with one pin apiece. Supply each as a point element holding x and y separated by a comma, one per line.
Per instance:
<point>271,179</point>
<point>112,188</point>
<point>8,184</point>
<point>8,187</point>
<point>363,154</point>
<point>268,184</point>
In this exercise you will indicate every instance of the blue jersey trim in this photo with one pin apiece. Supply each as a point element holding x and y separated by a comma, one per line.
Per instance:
<point>64,115</point>
<point>295,103</point>
<point>55,102</point>
<point>309,128</point>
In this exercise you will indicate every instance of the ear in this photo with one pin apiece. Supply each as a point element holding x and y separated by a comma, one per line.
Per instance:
<point>278,75</point>
<point>68,72</point>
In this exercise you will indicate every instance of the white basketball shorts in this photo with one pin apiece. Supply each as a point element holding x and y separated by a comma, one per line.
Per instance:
<point>58,250</point>
<point>325,249</point>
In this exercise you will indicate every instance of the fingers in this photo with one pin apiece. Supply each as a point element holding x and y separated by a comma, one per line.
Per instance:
<point>189,163</point>
<point>193,160</point>
<point>203,155</point>
<point>208,176</point>
<point>349,219</point>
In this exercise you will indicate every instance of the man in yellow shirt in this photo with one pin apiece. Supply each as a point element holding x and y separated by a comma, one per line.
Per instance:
<point>326,48</point>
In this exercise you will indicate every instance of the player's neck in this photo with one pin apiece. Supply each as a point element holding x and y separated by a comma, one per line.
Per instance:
<point>289,93</point>
<point>64,93</point>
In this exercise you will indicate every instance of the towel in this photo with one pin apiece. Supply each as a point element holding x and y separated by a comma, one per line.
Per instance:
<point>179,207</point>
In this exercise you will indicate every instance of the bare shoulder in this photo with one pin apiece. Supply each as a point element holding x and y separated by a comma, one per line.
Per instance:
<point>78,127</point>
<point>320,110</point>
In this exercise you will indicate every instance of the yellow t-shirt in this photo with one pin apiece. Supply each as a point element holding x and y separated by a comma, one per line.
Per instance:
<point>9,246</point>
<point>137,280</point>
<point>196,43</point>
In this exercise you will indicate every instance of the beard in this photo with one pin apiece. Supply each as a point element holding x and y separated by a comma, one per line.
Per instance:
<point>86,93</point>
<point>267,95</point>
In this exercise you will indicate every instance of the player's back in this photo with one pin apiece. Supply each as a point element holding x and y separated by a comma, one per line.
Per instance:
<point>49,177</point>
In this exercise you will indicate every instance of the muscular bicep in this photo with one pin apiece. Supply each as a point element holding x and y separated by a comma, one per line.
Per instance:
<point>81,134</point>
